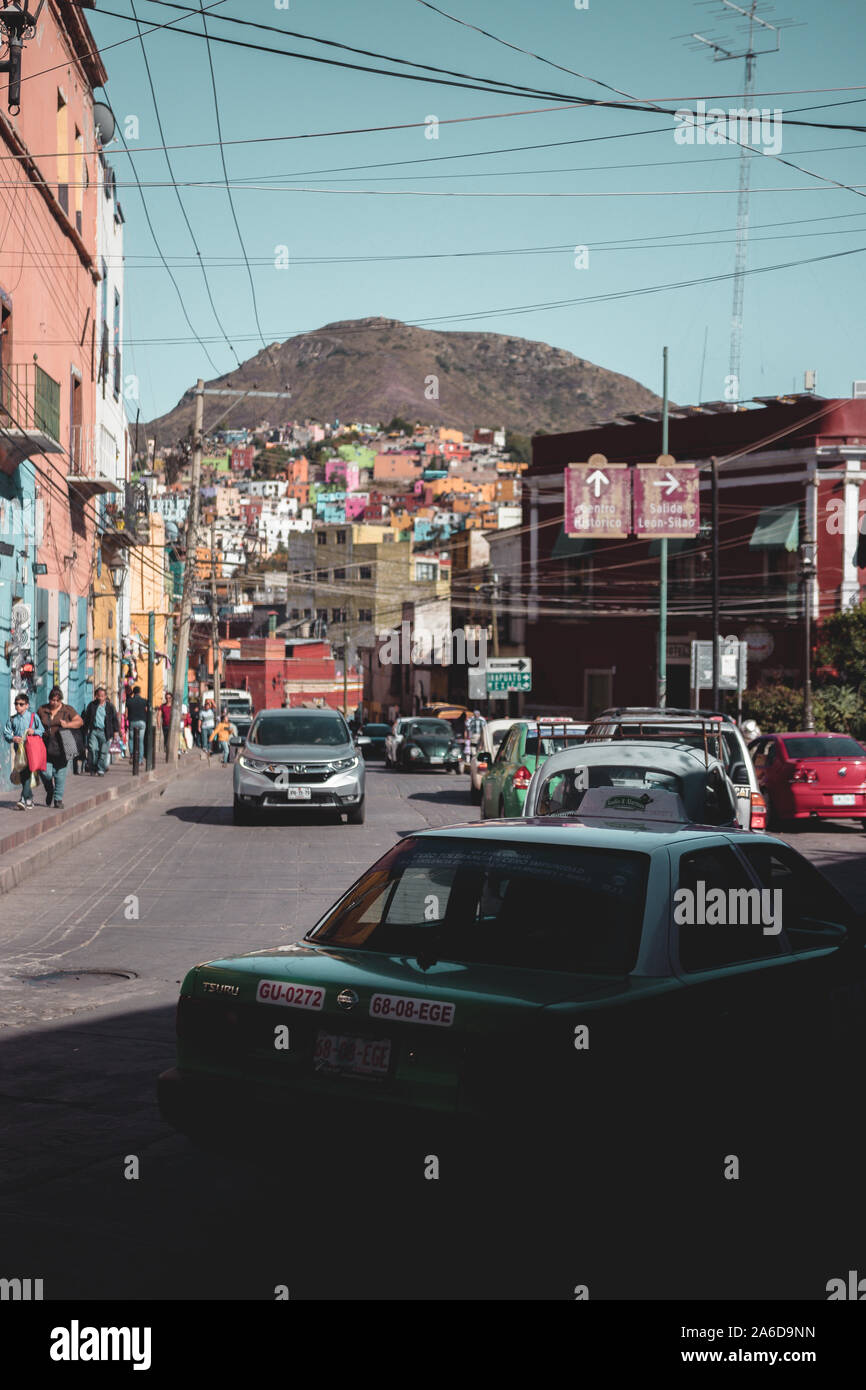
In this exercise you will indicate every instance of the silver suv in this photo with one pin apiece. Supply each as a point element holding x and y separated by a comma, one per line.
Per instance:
<point>296,759</point>
<point>716,734</point>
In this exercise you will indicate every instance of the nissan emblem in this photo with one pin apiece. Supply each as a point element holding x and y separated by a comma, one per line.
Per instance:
<point>347,999</point>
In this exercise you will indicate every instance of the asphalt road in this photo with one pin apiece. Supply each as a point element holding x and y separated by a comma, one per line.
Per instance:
<point>91,956</point>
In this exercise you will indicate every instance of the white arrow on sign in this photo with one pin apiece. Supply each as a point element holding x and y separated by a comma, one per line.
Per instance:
<point>596,479</point>
<point>668,482</point>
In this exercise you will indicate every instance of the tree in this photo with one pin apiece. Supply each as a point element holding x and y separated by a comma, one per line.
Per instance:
<point>842,645</point>
<point>399,426</point>
<point>518,446</point>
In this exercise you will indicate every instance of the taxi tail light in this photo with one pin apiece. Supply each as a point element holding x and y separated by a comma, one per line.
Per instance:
<point>522,779</point>
<point>758,817</point>
<point>803,774</point>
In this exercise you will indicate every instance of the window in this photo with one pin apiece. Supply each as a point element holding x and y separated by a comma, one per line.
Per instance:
<point>365,615</point>
<point>365,572</point>
<point>321,538</point>
<point>62,152</point>
<point>712,945</point>
<point>424,572</point>
<point>341,538</point>
<point>116,345</point>
<point>813,913</point>
<point>339,574</point>
<point>477,902</point>
<point>322,576</point>
<point>338,615</point>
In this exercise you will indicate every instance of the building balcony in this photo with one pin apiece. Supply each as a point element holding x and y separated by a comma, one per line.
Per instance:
<point>29,414</point>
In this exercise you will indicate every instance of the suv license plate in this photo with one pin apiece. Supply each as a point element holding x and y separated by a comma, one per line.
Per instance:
<point>298,793</point>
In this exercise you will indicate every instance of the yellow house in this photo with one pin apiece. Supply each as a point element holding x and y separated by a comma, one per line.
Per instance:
<point>105,635</point>
<point>150,584</point>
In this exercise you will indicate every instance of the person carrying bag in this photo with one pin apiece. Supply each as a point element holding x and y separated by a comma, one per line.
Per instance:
<point>24,730</point>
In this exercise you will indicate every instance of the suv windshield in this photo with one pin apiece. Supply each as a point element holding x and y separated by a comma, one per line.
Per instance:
<point>477,901</point>
<point>300,729</point>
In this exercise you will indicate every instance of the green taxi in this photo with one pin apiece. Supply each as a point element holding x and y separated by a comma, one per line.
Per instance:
<point>524,967</point>
<point>525,747</point>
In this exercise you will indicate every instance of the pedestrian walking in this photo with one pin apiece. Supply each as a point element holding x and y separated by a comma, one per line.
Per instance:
<point>221,738</point>
<point>165,712</point>
<point>195,722</point>
<point>21,726</point>
<point>101,725</point>
<point>58,719</point>
<point>208,720</point>
<point>136,713</point>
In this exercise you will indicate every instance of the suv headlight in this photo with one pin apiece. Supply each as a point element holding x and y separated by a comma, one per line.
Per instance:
<point>253,764</point>
<point>344,764</point>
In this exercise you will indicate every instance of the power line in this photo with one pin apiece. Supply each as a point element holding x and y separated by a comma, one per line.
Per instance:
<point>176,187</point>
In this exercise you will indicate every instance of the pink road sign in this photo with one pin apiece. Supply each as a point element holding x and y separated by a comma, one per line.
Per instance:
<point>597,498</point>
<point>666,499</point>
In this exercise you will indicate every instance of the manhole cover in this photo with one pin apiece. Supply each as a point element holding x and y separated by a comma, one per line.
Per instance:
<point>70,978</point>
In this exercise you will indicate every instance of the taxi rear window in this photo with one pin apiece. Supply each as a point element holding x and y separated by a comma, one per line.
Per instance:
<point>542,744</point>
<point>477,901</point>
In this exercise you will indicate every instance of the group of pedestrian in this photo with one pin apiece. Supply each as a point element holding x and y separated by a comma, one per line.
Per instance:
<point>52,726</point>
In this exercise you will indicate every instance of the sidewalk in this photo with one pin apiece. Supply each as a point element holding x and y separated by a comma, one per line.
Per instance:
<point>89,804</point>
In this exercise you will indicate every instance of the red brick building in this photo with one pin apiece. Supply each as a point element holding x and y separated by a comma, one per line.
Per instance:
<point>789,468</point>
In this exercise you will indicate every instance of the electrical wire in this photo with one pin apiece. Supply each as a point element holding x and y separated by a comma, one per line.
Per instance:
<point>176,187</point>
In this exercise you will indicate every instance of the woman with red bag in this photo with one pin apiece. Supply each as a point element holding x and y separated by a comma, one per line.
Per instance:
<point>24,731</point>
<point>57,719</point>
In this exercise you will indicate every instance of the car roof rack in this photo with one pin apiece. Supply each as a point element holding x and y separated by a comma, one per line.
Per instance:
<point>655,711</point>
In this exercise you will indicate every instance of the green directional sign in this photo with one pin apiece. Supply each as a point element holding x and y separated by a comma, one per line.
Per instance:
<point>508,680</point>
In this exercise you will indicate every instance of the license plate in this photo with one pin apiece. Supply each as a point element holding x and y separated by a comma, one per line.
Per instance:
<point>298,793</point>
<point>845,800</point>
<point>340,1054</point>
<point>437,760</point>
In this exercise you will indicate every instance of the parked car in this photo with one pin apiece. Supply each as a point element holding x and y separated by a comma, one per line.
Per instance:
<point>483,753</point>
<point>299,759</point>
<point>697,788</point>
<point>370,738</point>
<point>436,984</point>
<point>529,742</point>
<point>811,776</point>
<point>428,744</point>
<point>394,739</point>
<point>715,733</point>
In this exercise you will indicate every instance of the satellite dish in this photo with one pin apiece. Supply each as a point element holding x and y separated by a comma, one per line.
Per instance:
<point>104,122</point>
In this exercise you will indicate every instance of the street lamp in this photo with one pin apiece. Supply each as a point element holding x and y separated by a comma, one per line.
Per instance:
<point>808,551</point>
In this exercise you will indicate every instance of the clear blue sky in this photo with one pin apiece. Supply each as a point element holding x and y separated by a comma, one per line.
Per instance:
<point>797,318</point>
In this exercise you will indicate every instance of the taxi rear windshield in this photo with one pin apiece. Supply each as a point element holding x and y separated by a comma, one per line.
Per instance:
<point>478,902</point>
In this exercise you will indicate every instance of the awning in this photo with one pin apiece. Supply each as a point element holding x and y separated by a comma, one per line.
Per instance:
<point>568,547</point>
<point>776,527</point>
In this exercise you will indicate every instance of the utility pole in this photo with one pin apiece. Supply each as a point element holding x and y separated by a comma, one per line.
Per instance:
<point>182,653</point>
<point>747,140</point>
<point>151,722</point>
<point>494,613</point>
<point>345,672</point>
<point>663,562</point>
<point>715,552</point>
<point>215,624</point>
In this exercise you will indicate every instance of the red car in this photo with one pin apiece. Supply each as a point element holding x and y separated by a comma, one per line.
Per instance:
<point>809,775</point>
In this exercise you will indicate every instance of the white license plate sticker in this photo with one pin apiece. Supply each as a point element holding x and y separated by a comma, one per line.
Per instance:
<point>437,760</point>
<point>293,996</point>
<point>339,1054</point>
<point>408,1010</point>
<point>848,800</point>
<point>298,793</point>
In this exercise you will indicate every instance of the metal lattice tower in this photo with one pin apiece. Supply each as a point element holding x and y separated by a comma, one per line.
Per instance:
<point>752,23</point>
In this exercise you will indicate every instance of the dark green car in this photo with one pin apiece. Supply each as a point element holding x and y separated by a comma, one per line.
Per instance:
<point>525,968</point>
<point>524,748</point>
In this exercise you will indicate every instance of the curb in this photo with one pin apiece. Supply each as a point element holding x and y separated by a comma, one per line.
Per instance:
<point>84,820</point>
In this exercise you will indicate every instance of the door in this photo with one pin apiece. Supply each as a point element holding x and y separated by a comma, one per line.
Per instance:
<point>597,691</point>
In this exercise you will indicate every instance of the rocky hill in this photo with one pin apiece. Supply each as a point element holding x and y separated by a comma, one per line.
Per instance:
<point>373,369</point>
